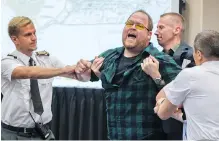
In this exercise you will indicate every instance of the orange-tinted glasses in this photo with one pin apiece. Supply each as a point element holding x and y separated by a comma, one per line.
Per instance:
<point>137,25</point>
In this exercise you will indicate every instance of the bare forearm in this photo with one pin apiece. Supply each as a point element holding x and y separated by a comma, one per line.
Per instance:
<point>166,109</point>
<point>36,72</point>
<point>70,75</point>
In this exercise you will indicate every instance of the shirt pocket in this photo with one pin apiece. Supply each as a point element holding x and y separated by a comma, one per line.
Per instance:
<point>24,89</point>
<point>25,86</point>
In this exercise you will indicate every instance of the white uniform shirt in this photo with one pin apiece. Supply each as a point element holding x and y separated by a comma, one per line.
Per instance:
<point>17,102</point>
<point>197,89</point>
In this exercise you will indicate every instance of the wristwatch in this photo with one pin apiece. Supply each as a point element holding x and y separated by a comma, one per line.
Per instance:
<point>159,81</point>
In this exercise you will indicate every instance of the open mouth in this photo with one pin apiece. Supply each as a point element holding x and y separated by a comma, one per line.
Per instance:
<point>131,35</point>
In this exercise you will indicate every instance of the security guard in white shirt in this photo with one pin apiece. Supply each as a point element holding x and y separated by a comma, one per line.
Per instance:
<point>19,116</point>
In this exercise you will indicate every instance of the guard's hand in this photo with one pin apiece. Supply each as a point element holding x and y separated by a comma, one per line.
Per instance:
<point>150,66</point>
<point>83,70</point>
<point>97,63</point>
<point>70,70</point>
<point>82,66</point>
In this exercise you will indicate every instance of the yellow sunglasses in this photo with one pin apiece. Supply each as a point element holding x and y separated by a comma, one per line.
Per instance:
<point>137,25</point>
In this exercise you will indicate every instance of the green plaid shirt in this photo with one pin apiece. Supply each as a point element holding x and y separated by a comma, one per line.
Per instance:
<point>130,113</point>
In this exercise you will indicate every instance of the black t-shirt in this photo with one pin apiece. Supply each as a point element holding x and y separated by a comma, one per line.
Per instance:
<point>124,62</point>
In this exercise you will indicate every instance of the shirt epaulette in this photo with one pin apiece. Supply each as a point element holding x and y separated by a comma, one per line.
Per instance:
<point>42,53</point>
<point>15,57</point>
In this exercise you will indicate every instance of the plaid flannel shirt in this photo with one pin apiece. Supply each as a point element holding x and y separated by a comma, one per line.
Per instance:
<point>130,113</point>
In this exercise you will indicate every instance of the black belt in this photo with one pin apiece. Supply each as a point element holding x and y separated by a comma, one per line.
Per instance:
<point>20,129</point>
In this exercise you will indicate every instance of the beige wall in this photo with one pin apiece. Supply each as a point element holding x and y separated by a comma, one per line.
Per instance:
<point>211,14</point>
<point>200,15</point>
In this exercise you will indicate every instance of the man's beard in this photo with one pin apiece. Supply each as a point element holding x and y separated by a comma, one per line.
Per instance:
<point>129,47</point>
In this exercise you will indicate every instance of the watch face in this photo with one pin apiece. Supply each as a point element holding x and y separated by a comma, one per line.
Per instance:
<point>158,81</point>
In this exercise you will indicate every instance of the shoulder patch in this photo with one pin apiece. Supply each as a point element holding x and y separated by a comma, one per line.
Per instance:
<point>42,53</point>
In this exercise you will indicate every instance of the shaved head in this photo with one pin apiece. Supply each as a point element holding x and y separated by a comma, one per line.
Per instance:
<point>175,19</point>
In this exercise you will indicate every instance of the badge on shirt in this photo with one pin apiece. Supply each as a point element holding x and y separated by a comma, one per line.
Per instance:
<point>185,63</point>
<point>42,53</point>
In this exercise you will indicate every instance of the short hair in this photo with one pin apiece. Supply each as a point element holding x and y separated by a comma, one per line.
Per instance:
<point>178,18</point>
<point>16,23</point>
<point>208,43</point>
<point>150,21</point>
